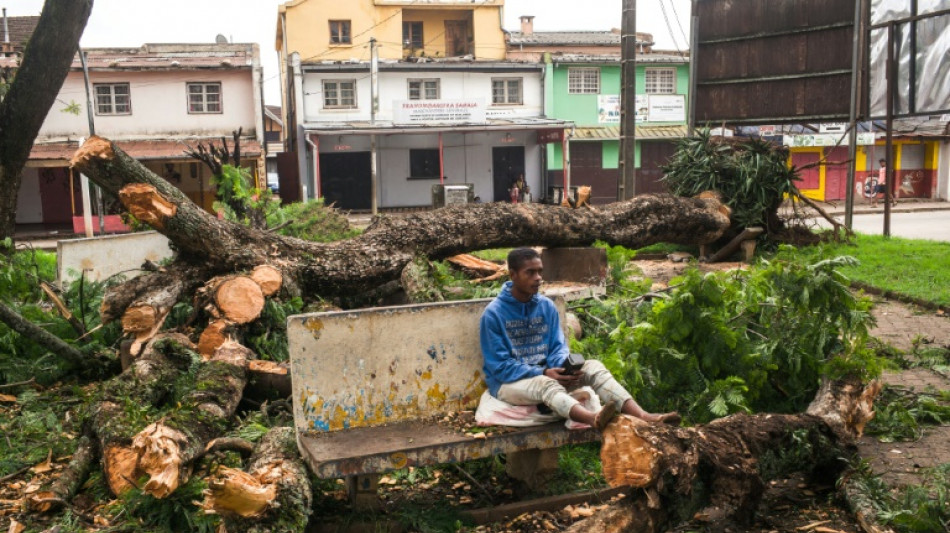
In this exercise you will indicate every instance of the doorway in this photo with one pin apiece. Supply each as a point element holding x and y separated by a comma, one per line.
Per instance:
<point>345,180</point>
<point>507,163</point>
<point>458,38</point>
<point>653,155</point>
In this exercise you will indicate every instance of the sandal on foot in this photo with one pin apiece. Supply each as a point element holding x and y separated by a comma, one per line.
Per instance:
<point>606,414</point>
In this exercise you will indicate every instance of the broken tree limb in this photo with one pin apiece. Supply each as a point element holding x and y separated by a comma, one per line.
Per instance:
<point>165,449</point>
<point>217,333</point>
<point>69,480</point>
<point>713,471</point>
<point>63,310</point>
<point>274,493</point>
<point>379,255</point>
<point>40,336</point>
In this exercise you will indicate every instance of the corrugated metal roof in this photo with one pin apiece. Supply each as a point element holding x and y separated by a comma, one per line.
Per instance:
<point>549,38</point>
<point>141,150</point>
<point>932,126</point>
<point>614,58</point>
<point>170,56</point>
<point>21,28</point>
<point>643,132</point>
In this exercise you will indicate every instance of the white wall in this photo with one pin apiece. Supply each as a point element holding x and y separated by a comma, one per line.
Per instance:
<point>159,106</point>
<point>105,256</point>
<point>29,207</point>
<point>393,86</point>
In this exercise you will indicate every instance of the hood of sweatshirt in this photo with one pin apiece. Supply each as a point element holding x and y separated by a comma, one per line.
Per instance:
<point>509,298</point>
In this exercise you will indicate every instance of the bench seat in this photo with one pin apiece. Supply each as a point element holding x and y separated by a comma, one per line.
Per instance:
<point>377,449</point>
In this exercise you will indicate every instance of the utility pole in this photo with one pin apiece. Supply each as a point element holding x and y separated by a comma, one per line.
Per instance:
<point>373,108</point>
<point>626,186</point>
<point>84,181</point>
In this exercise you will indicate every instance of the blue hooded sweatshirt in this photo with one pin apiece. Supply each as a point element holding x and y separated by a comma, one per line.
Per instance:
<point>520,339</point>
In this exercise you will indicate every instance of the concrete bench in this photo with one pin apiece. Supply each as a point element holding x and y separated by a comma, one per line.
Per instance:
<point>371,388</point>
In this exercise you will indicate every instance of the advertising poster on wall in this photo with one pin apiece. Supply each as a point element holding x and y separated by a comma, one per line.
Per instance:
<point>608,109</point>
<point>643,108</point>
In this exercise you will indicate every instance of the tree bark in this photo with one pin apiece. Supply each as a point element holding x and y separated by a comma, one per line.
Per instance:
<point>381,253</point>
<point>41,74</point>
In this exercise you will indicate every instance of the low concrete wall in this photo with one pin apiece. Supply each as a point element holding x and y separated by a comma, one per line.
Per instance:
<point>103,257</point>
<point>372,366</point>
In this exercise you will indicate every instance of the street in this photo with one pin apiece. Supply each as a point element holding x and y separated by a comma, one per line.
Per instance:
<point>932,225</point>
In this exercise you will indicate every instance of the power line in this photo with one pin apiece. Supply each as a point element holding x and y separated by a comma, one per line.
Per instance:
<point>669,27</point>
<point>678,23</point>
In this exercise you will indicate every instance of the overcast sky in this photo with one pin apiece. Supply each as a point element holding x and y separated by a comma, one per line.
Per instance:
<point>135,22</point>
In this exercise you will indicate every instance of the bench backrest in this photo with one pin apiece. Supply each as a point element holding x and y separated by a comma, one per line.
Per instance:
<point>370,367</point>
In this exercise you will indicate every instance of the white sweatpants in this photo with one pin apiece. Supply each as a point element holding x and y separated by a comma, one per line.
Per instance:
<point>542,389</point>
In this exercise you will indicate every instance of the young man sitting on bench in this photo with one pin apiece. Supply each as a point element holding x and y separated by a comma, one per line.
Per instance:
<point>525,352</point>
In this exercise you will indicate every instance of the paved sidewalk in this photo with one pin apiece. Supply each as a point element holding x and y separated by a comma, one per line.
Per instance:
<point>899,463</point>
<point>863,207</point>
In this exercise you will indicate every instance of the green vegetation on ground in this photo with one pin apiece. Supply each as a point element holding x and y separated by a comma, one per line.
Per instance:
<point>918,508</point>
<point>756,340</point>
<point>913,267</point>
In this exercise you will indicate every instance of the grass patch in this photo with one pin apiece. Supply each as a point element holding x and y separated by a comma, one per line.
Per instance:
<point>497,255</point>
<point>913,267</point>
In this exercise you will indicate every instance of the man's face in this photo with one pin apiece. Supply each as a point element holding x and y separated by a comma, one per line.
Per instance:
<point>526,281</point>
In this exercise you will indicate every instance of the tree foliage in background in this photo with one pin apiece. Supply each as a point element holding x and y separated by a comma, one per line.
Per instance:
<point>755,340</point>
<point>753,176</point>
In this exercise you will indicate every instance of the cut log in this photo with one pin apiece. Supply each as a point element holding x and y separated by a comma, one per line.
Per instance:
<point>712,471</point>
<point>268,380</point>
<point>273,495</point>
<point>146,204</point>
<point>269,279</point>
<point>217,333</point>
<point>166,448</point>
<point>239,299</point>
<point>474,264</point>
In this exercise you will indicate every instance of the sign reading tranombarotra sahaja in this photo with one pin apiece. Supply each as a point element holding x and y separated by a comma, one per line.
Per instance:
<point>439,111</point>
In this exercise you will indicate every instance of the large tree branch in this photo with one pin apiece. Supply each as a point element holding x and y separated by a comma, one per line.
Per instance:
<point>40,336</point>
<point>46,62</point>
<point>381,253</point>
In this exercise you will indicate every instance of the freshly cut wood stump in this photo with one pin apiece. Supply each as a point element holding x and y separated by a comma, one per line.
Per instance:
<point>268,278</point>
<point>239,299</point>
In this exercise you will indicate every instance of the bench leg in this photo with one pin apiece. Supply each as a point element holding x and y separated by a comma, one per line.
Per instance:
<point>748,250</point>
<point>533,467</point>
<point>361,491</point>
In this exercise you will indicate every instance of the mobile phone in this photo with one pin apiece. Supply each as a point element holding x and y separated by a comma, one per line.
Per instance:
<point>573,363</point>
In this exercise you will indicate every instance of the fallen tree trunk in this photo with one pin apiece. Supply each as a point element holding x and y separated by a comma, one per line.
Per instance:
<point>380,254</point>
<point>715,472</point>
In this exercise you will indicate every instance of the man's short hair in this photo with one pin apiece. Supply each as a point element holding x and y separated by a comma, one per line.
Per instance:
<point>882,161</point>
<point>519,256</point>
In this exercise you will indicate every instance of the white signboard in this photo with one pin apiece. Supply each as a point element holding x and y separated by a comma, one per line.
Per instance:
<point>825,139</point>
<point>608,109</point>
<point>767,131</point>
<point>439,111</point>
<point>667,108</point>
<point>643,107</point>
<point>833,127</point>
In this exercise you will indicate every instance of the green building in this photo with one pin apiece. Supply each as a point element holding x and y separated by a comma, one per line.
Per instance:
<point>585,89</point>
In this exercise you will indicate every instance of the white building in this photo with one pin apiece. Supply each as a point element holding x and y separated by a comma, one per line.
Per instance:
<point>453,120</point>
<point>152,101</point>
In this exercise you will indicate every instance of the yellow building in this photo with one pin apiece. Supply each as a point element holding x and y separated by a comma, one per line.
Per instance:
<point>334,30</point>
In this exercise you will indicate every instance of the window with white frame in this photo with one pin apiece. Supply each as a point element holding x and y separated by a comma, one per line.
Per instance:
<point>339,94</point>
<point>583,80</point>
<point>660,80</point>
<point>204,97</point>
<point>426,89</point>
<point>113,99</point>
<point>506,91</point>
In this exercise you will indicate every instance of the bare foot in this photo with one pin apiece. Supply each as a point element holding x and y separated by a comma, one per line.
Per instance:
<point>672,418</point>
<point>606,414</point>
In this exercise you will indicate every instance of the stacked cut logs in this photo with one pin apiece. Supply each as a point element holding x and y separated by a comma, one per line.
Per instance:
<point>233,301</point>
